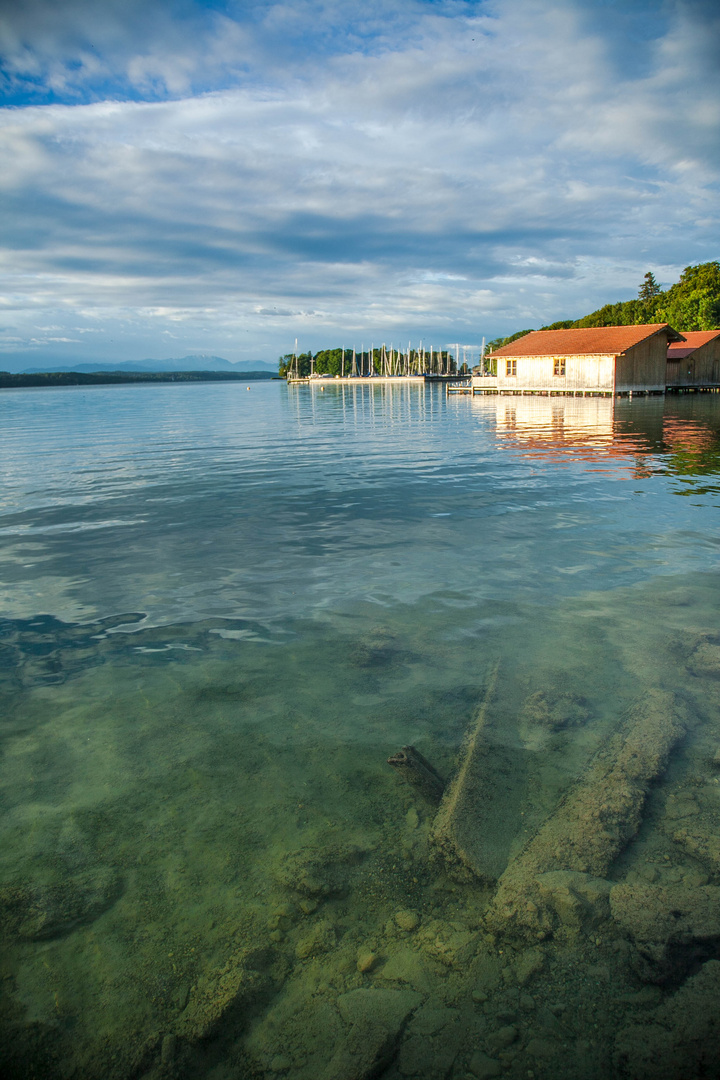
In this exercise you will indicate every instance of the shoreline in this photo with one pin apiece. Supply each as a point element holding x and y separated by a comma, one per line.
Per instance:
<point>10,380</point>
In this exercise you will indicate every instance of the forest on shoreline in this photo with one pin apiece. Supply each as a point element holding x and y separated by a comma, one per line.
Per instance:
<point>10,380</point>
<point>693,303</point>
<point>384,362</point>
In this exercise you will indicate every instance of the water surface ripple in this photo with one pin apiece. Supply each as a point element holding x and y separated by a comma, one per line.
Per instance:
<point>224,608</point>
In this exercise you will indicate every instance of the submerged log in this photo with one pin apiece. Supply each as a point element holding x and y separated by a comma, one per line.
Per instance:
<point>418,771</point>
<point>597,817</point>
<point>473,828</point>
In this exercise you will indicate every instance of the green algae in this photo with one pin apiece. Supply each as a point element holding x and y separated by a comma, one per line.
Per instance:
<point>199,846</point>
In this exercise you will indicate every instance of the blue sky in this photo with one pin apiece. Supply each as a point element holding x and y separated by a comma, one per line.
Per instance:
<point>225,177</point>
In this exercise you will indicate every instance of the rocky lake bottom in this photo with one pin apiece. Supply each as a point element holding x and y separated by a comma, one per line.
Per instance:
<point>209,869</point>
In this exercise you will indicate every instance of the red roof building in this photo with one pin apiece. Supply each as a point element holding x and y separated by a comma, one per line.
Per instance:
<point>589,360</point>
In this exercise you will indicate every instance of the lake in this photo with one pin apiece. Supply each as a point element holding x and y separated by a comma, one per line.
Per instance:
<point>223,609</point>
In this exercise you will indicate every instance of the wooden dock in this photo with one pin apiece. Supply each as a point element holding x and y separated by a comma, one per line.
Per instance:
<point>459,387</point>
<point>488,384</point>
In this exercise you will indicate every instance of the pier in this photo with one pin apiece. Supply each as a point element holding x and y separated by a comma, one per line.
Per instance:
<point>459,386</point>
<point>369,380</point>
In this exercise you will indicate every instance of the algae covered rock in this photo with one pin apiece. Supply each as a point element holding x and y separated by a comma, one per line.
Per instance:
<point>595,820</point>
<point>705,660</point>
<point>407,920</point>
<point>432,1043</point>
<point>555,710</point>
<point>407,966</point>
<point>367,959</point>
<point>52,908</point>
<point>527,965</point>
<point>452,944</point>
<point>376,1019</point>
<point>680,1039</point>
<point>379,648</point>
<point>701,843</point>
<point>316,874</point>
<point>224,994</point>
<point>670,926</point>
<point>580,901</point>
<point>484,1067</point>
<point>321,939</point>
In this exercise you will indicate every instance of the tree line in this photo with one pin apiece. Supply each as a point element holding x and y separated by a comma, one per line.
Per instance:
<point>693,303</point>
<point>113,378</point>
<point>380,361</point>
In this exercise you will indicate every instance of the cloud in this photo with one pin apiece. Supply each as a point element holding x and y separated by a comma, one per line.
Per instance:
<point>82,50</point>
<point>408,169</point>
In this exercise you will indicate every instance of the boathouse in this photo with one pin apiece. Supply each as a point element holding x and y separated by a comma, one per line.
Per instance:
<point>694,362</point>
<point>590,360</point>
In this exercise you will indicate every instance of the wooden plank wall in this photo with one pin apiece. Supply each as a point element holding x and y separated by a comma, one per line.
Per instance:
<point>643,367</point>
<point>595,373</point>
<point>700,369</point>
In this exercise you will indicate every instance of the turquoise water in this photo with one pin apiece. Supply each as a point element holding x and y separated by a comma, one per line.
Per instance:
<point>223,609</point>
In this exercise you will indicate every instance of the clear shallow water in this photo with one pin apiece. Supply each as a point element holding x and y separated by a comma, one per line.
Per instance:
<point>223,610</point>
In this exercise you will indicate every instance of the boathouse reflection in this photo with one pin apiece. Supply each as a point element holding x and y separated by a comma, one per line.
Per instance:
<point>675,435</point>
<point>593,428</point>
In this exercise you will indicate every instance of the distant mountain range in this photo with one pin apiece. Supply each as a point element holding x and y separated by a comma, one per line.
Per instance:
<point>194,362</point>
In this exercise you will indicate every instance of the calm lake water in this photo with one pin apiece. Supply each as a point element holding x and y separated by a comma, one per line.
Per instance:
<point>224,609</point>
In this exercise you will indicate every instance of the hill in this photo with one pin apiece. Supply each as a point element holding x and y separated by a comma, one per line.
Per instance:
<point>194,362</point>
<point>693,303</point>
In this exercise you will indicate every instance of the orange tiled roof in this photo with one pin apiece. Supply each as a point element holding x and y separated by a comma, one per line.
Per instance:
<point>693,340</point>
<point>602,340</point>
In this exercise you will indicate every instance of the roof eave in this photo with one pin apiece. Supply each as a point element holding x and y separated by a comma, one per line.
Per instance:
<point>673,335</point>
<point>665,328</point>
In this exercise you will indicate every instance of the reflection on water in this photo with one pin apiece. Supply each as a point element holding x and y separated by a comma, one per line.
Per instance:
<point>681,435</point>
<point>591,428</point>
<point>223,614</point>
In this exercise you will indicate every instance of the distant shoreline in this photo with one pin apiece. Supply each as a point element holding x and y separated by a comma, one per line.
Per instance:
<point>9,380</point>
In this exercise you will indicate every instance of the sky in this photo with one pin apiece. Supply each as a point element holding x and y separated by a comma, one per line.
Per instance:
<point>224,177</point>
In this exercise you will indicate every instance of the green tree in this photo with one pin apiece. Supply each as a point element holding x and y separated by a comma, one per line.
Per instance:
<point>624,313</point>
<point>332,362</point>
<point>287,363</point>
<point>691,304</point>
<point>562,324</point>
<point>497,343</point>
<point>694,302</point>
<point>649,288</point>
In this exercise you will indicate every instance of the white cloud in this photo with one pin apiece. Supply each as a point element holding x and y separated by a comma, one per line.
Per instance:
<point>397,184</point>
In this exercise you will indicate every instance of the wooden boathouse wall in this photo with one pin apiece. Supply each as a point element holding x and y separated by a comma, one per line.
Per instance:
<point>700,368</point>
<point>643,367</point>
<point>582,374</point>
